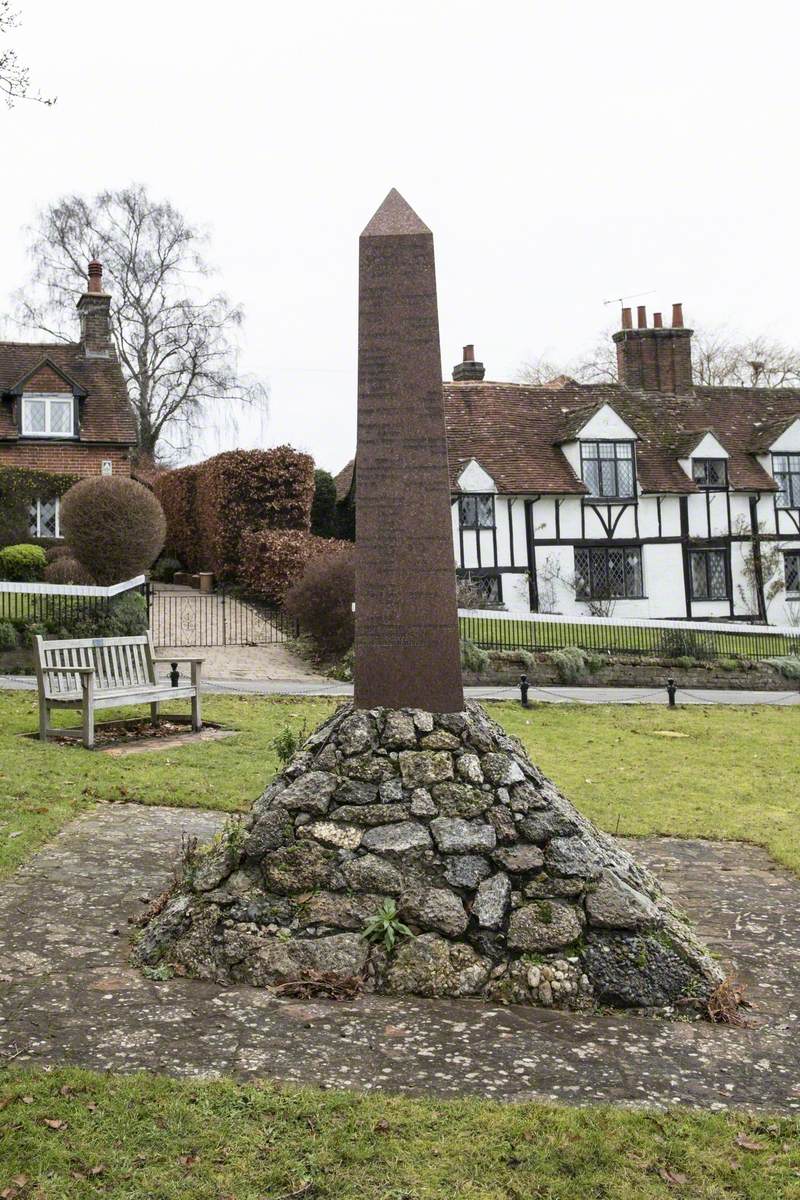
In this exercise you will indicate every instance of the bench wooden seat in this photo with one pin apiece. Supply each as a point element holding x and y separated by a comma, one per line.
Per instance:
<point>97,673</point>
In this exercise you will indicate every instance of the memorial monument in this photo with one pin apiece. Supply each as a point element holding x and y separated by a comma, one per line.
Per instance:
<point>410,846</point>
<point>407,649</point>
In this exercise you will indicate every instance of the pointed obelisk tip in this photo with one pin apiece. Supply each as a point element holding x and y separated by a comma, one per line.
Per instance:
<point>395,216</point>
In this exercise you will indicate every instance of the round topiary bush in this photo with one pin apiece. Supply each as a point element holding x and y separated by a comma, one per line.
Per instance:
<point>22,564</point>
<point>114,526</point>
<point>65,569</point>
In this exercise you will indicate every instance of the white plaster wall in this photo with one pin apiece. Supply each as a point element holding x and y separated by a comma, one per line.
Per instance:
<point>515,592</point>
<point>662,563</point>
<point>606,425</point>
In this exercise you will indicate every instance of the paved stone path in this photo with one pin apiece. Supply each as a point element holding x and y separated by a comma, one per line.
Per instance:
<point>319,686</point>
<point>69,995</point>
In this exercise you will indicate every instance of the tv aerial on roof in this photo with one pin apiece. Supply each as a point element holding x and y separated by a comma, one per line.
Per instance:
<point>630,296</point>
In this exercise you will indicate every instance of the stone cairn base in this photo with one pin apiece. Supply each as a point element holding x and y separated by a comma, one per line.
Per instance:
<point>507,892</point>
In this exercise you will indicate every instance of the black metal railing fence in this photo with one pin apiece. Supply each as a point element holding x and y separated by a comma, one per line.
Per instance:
<point>657,641</point>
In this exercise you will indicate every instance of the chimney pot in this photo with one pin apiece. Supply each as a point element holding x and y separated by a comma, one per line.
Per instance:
<point>641,316</point>
<point>468,370</point>
<point>95,276</point>
<point>627,320</point>
<point>657,322</point>
<point>677,316</point>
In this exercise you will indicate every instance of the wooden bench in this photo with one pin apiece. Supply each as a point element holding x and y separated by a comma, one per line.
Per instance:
<point>95,673</point>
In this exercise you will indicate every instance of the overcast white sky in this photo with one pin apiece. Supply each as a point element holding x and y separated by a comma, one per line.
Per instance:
<point>562,153</point>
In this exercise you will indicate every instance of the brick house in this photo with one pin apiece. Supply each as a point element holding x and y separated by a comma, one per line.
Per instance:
<point>651,497</point>
<point>64,409</point>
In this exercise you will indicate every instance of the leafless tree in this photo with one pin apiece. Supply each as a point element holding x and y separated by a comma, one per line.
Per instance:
<point>15,80</point>
<point>598,365</point>
<point>720,358</point>
<point>174,339</point>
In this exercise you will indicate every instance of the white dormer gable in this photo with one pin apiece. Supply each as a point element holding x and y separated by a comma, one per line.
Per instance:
<point>789,441</point>
<point>474,479</point>
<point>709,447</point>
<point>606,425</point>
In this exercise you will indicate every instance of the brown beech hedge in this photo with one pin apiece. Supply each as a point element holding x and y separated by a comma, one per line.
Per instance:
<point>211,507</point>
<point>274,559</point>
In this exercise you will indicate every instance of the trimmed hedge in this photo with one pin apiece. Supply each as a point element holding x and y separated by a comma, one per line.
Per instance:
<point>322,599</point>
<point>18,489</point>
<point>274,559</point>
<point>22,564</point>
<point>323,507</point>
<point>66,569</point>
<point>211,507</point>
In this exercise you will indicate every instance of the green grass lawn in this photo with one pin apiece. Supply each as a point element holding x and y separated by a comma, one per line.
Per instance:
<point>72,1135</point>
<point>43,785</point>
<point>733,773</point>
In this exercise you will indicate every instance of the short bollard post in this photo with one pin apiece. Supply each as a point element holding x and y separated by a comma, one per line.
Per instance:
<point>523,691</point>
<point>174,674</point>
<point>672,688</point>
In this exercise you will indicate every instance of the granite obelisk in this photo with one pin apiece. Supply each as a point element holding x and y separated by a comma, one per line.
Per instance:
<point>407,648</point>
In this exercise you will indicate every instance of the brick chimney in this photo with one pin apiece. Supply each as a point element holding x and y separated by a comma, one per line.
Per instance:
<point>654,359</point>
<point>468,370</point>
<point>94,308</point>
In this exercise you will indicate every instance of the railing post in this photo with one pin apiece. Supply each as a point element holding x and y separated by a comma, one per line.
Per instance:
<point>523,691</point>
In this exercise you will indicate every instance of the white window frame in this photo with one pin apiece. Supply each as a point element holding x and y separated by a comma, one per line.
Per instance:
<point>49,398</point>
<point>37,533</point>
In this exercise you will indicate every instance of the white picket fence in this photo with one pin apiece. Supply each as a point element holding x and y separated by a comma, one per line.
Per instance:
<point>69,589</point>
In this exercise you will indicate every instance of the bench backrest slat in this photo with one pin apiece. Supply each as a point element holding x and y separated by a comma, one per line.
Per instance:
<point>118,662</point>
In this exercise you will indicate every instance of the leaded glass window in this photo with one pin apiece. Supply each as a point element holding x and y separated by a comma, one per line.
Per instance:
<point>476,512</point>
<point>710,472</point>
<point>708,570</point>
<point>48,416</point>
<point>609,573</point>
<point>791,568</point>
<point>607,469</point>
<point>786,470</point>
<point>45,519</point>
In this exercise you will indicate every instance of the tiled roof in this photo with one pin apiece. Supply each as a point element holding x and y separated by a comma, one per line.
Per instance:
<point>344,480</point>
<point>513,431</point>
<point>106,414</point>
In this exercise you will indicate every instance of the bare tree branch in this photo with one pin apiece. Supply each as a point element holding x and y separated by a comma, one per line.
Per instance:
<point>15,80</point>
<point>174,340</point>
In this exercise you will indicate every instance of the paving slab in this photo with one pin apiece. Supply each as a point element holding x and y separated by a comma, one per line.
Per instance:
<point>69,995</point>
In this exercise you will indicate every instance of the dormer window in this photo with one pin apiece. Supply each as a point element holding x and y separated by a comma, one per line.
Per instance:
<point>786,472</point>
<point>476,512</point>
<point>48,416</point>
<point>607,469</point>
<point>710,473</point>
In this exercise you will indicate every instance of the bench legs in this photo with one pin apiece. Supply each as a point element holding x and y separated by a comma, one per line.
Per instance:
<point>197,716</point>
<point>154,709</point>
<point>87,683</point>
<point>44,718</point>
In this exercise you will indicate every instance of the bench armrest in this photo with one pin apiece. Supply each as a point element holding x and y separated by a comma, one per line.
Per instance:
<point>181,658</point>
